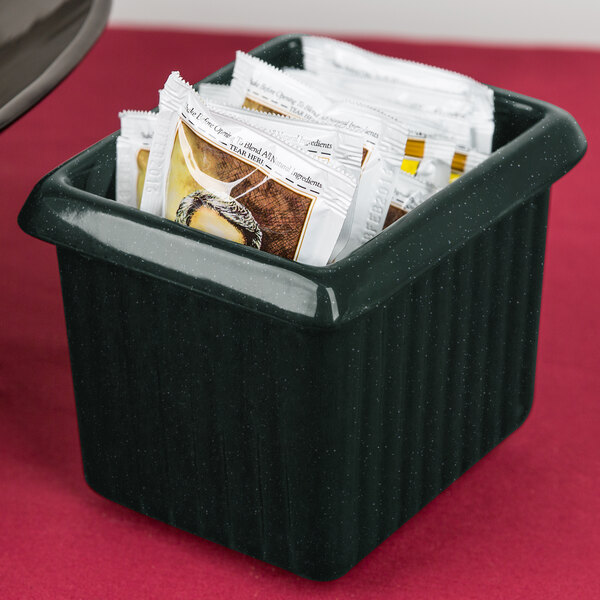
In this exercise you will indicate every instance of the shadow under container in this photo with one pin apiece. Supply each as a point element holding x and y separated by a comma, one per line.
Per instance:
<point>300,414</point>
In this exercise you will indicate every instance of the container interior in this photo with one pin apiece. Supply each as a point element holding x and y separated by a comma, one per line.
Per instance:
<point>512,119</point>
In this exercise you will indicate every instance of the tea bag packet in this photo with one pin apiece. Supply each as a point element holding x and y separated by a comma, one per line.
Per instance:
<point>407,193</point>
<point>309,164</point>
<point>385,194</point>
<point>425,157</point>
<point>428,159</point>
<point>371,202</point>
<point>388,190</point>
<point>215,92</point>
<point>398,175</point>
<point>459,131</point>
<point>222,176</point>
<point>384,141</point>
<point>432,113</point>
<point>464,160</point>
<point>426,100</point>
<point>435,143</point>
<point>133,148</point>
<point>258,85</point>
<point>365,121</point>
<point>438,161</point>
<point>333,145</point>
<point>427,89</point>
<point>322,55</point>
<point>255,81</point>
<point>337,146</point>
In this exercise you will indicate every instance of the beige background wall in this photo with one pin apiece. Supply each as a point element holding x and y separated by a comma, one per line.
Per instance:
<point>541,22</point>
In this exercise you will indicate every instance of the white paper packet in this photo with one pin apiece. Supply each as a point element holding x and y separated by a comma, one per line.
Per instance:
<point>389,192</point>
<point>367,122</point>
<point>403,170</point>
<point>429,141</point>
<point>384,145</point>
<point>431,112</point>
<point>133,148</point>
<point>338,146</point>
<point>427,158</point>
<point>260,86</point>
<point>220,175</point>
<point>371,203</point>
<point>464,160</point>
<point>384,179</point>
<point>221,93</point>
<point>334,145</point>
<point>321,54</point>
<point>406,195</point>
<point>214,92</point>
<point>426,100</point>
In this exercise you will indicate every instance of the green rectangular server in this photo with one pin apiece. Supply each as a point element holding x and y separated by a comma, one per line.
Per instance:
<point>302,414</point>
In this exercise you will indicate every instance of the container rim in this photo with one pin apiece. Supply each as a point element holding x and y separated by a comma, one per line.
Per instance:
<point>60,211</point>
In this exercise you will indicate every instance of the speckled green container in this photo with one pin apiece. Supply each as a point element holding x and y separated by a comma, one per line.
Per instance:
<point>300,414</point>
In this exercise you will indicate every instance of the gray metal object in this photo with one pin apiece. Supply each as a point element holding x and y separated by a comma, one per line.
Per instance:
<point>41,41</point>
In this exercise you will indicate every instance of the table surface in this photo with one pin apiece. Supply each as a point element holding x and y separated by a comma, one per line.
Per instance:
<point>522,523</point>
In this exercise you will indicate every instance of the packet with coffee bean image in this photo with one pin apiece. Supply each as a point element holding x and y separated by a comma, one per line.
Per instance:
<point>222,176</point>
<point>133,148</point>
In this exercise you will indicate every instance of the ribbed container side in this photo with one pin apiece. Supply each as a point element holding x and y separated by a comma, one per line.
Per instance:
<point>304,448</point>
<point>454,359</point>
<point>205,416</point>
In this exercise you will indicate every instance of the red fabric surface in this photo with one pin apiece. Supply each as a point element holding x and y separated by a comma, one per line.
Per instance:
<point>522,523</point>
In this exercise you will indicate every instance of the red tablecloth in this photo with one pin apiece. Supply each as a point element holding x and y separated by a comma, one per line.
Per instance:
<point>523,523</point>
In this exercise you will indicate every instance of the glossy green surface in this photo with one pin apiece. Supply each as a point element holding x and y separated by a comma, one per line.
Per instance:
<point>294,413</point>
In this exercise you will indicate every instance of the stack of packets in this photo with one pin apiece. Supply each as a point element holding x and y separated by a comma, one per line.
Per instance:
<point>305,164</point>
